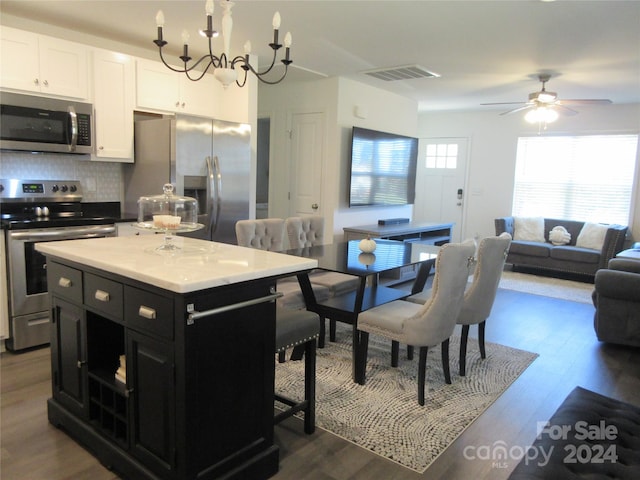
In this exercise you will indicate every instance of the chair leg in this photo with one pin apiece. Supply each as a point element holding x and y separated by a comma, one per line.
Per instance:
<point>282,356</point>
<point>297,352</point>
<point>332,330</point>
<point>395,351</point>
<point>361,358</point>
<point>308,404</point>
<point>409,352</point>
<point>422,373</point>
<point>463,350</point>
<point>481,326</point>
<point>310,386</point>
<point>445,361</point>
<point>322,329</point>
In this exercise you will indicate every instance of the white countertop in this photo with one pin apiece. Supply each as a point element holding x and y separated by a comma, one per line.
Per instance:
<point>198,265</point>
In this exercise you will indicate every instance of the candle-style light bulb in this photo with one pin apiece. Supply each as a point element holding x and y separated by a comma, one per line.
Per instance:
<point>276,21</point>
<point>160,19</point>
<point>185,37</point>
<point>208,7</point>
<point>247,48</point>
<point>287,45</point>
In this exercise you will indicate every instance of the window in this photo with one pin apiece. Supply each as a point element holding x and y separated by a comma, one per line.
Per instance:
<point>442,155</point>
<point>585,178</point>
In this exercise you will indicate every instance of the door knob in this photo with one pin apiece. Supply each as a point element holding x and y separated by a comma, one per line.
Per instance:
<point>314,206</point>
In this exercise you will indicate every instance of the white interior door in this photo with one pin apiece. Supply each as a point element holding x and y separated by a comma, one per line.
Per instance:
<point>307,154</point>
<point>440,182</point>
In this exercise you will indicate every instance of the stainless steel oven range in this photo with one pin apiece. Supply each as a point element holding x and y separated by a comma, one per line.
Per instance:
<point>35,211</point>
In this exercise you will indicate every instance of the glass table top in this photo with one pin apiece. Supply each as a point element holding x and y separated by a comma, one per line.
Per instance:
<point>346,257</point>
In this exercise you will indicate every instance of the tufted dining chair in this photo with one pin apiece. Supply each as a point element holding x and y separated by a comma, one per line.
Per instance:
<point>269,234</point>
<point>263,234</point>
<point>480,294</point>
<point>425,325</point>
<point>307,231</point>
<point>295,328</point>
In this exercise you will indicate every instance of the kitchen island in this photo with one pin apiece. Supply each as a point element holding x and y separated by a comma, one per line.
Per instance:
<point>163,362</point>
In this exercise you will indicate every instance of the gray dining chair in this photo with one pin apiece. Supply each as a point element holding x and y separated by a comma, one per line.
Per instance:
<point>425,325</point>
<point>308,231</point>
<point>480,293</point>
<point>269,234</point>
<point>296,329</point>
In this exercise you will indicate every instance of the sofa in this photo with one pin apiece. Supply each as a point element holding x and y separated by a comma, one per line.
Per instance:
<point>575,247</point>
<point>617,300</point>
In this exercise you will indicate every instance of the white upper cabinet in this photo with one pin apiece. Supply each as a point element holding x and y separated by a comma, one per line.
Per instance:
<point>159,88</point>
<point>37,63</point>
<point>113,101</point>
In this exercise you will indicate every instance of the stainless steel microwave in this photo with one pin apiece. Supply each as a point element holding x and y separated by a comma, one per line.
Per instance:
<point>40,124</point>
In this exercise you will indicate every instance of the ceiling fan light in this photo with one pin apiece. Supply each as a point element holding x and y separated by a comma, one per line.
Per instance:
<point>547,97</point>
<point>541,115</point>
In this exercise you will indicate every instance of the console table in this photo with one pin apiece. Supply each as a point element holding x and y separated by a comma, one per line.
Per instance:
<point>427,233</point>
<point>163,363</point>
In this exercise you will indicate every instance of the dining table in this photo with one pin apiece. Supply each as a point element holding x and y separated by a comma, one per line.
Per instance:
<point>347,258</point>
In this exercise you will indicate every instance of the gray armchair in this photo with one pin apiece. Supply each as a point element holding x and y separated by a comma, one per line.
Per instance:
<point>617,301</point>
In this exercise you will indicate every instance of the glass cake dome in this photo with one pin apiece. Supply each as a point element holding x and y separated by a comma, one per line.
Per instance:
<point>168,213</point>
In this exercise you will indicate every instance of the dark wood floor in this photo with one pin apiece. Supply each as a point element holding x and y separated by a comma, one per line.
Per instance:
<point>560,332</point>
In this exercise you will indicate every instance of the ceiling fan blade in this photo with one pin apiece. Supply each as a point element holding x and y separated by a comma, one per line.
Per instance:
<point>505,103</point>
<point>519,109</point>
<point>584,101</point>
<point>565,110</point>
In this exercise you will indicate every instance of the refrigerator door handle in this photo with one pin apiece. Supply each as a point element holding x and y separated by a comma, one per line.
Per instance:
<point>213,200</point>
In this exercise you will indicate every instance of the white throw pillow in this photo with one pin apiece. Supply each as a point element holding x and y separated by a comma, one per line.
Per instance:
<point>559,235</point>
<point>528,229</point>
<point>592,236</point>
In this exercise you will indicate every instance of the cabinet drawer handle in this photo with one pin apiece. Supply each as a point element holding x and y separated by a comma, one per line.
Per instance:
<point>101,296</point>
<point>64,282</point>
<point>147,312</point>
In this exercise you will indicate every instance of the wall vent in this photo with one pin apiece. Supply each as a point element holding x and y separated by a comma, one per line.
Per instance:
<point>406,72</point>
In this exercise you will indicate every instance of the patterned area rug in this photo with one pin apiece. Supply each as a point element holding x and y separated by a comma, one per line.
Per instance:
<point>547,286</point>
<point>383,416</point>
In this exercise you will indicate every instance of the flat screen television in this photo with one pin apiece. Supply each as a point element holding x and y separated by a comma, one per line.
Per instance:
<point>383,168</point>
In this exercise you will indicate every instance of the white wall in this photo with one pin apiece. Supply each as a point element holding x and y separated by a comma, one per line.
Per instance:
<point>337,99</point>
<point>492,146</point>
<point>384,111</point>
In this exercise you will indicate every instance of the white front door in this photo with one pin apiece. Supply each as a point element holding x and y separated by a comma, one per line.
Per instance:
<point>306,156</point>
<point>440,182</point>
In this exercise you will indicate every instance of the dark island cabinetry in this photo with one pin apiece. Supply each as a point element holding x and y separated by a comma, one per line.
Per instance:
<point>193,397</point>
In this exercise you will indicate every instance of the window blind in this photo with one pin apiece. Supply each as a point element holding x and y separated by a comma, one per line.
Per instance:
<point>585,178</point>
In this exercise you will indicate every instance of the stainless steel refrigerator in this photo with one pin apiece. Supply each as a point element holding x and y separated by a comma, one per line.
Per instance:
<point>209,160</point>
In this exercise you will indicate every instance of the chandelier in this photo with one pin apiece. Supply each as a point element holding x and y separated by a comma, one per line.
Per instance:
<point>224,67</point>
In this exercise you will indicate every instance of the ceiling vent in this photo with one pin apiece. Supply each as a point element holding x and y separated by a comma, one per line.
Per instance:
<point>406,72</point>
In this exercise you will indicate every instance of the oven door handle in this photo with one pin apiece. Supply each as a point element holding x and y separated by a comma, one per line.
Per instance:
<point>55,234</point>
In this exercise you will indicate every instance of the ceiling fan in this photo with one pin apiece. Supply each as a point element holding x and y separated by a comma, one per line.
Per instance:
<point>545,100</point>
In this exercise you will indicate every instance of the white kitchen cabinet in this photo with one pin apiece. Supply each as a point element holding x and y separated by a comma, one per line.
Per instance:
<point>113,101</point>
<point>41,64</point>
<point>158,88</point>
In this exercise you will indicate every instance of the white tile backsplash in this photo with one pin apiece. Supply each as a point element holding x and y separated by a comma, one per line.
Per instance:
<point>101,181</point>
